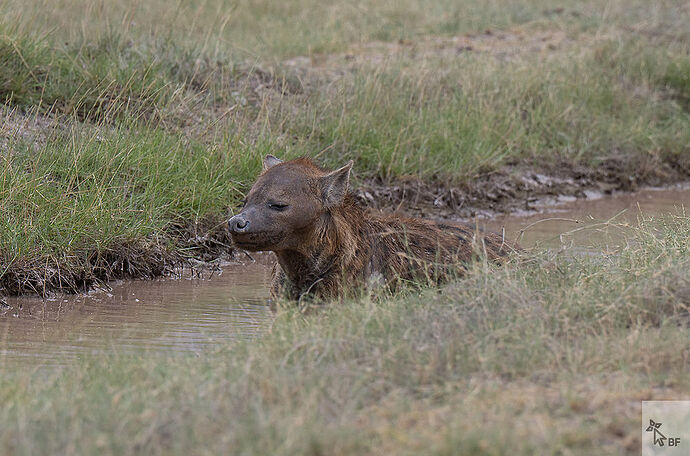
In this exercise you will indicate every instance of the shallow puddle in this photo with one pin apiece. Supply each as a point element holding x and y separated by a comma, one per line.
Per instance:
<point>196,314</point>
<point>600,223</point>
<point>169,314</point>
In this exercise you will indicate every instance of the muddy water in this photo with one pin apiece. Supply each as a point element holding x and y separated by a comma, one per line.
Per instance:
<point>195,314</point>
<point>171,314</point>
<point>593,224</point>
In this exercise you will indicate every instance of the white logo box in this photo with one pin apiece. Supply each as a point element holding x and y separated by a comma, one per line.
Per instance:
<point>665,428</point>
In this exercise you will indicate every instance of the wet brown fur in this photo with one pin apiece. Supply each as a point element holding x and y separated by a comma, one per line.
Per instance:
<point>346,247</point>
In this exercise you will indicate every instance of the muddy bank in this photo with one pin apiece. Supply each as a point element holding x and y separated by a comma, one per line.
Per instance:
<point>520,188</point>
<point>206,242</point>
<point>512,189</point>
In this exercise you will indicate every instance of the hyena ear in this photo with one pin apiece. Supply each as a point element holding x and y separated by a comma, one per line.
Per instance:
<point>270,161</point>
<point>334,185</point>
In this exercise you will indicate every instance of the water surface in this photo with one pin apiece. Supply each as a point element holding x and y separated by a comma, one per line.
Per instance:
<point>595,224</point>
<point>168,314</point>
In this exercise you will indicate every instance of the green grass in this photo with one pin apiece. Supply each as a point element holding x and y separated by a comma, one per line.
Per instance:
<point>88,193</point>
<point>111,78</point>
<point>453,119</point>
<point>548,356</point>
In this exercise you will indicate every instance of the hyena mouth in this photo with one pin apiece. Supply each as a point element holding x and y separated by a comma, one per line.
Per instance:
<point>253,241</point>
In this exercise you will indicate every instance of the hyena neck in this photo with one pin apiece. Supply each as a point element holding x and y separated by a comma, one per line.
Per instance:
<point>330,255</point>
<point>297,265</point>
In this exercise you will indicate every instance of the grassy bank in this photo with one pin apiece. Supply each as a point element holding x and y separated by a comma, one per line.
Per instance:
<point>549,357</point>
<point>450,120</point>
<point>130,129</point>
<point>96,205</point>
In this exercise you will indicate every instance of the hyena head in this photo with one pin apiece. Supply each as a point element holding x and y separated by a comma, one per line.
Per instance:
<point>286,204</point>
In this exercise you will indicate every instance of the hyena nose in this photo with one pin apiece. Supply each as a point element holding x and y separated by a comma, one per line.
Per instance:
<point>238,224</point>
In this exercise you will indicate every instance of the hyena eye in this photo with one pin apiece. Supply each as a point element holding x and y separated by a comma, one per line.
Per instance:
<point>277,206</point>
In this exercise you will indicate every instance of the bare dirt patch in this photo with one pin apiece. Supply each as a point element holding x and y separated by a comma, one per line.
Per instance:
<point>503,45</point>
<point>29,128</point>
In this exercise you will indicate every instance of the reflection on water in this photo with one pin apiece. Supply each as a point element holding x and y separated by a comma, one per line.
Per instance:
<point>583,223</point>
<point>159,315</point>
<point>192,315</point>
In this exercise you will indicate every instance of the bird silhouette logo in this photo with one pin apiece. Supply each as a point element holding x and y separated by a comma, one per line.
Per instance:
<point>659,438</point>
